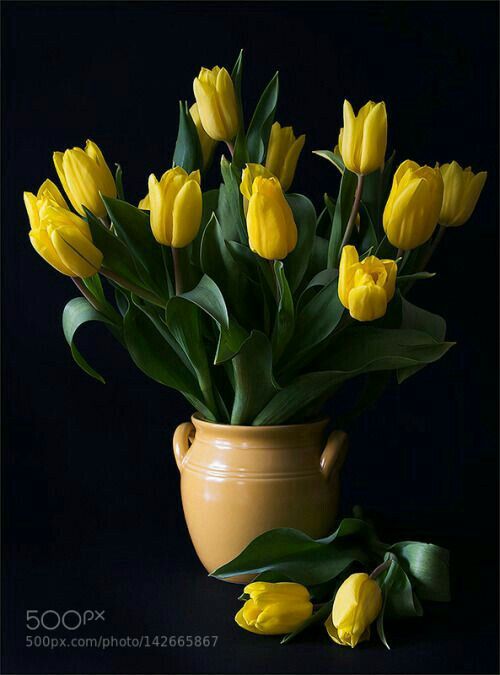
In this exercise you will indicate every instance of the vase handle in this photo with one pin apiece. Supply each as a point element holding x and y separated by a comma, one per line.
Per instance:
<point>333,456</point>
<point>183,437</point>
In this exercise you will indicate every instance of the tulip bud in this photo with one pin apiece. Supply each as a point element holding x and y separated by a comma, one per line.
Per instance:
<point>272,232</point>
<point>62,238</point>
<point>363,138</point>
<point>357,604</point>
<point>216,99</point>
<point>207,143</point>
<point>283,152</point>
<point>274,609</point>
<point>461,192</point>
<point>367,286</point>
<point>84,174</point>
<point>412,209</point>
<point>176,207</point>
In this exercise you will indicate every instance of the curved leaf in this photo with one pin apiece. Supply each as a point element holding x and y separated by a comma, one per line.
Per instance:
<point>77,312</point>
<point>297,262</point>
<point>263,117</point>
<point>285,315</point>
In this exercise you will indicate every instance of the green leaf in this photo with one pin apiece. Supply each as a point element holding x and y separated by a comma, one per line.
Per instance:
<point>319,280</point>
<point>77,312</point>
<point>427,567</point>
<point>119,182</point>
<point>253,378</point>
<point>358,349</point>
<point>343,208</point>
<point>416,318</point>
<point>319,257</point>
<point>157,359</point>
<point>116,255</point>
<point>230,209</point>
<point>240,155</point>
<point>285,318</point>
<point>400,599</point>
<point>331,157</point>
<point>263,117</point>
<point>297,261</point>
<point>187,153</point>
<point>315,323</point>
<point>414,277</point>
<point>307,561</point>
<point>230,341</point>
<point>132,226</point>
<point>385,582</point>
<point>183,320</point>
<point>236,76</point>
<point>208,297</point>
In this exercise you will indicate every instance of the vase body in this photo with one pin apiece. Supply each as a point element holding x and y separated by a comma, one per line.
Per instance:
<point>238,481</point>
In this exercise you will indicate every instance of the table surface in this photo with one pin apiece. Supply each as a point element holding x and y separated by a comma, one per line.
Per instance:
<point>158,588</point>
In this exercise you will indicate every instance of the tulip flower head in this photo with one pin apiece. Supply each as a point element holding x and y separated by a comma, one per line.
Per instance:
<point>367,286</point>
<point>248,175</point>
<point>272,232</point>
<point>412,209</point>
<point>363,138</point>
<point>176,207</point>
<point>206,142</point>
<point>283,152</point>
<point>217,106</point>
<point>59,236</point>
<point>84,174</point>
<point>461,191</point>
<point>274,609</point>
<point>357,604</point>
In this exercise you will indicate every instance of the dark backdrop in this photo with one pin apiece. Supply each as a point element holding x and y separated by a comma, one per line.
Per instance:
<point>91,509</point>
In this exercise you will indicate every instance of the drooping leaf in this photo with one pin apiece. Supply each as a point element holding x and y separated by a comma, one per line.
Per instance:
<point>299,557</point>
<point>427,567</point>
<point>262,120</point>
<point>76,313</point>
<point>331,157</point>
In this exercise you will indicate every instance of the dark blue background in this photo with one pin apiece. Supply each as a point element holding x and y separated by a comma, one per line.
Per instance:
<point>91,508</point>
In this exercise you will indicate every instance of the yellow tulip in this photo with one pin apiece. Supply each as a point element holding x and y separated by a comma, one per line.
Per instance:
<point>357,604</point>
<point>207,144</point>
<point>217,106</point>
<point>176,207</point>
<point>272,232</point>
<point>274,609</point>
<point>461,191</point>
<point>59,236</point>
<point>84,174</point>
<point>412,209</point>
<point>367,286</point>
<point>363,138</point>
<point>283,152</point>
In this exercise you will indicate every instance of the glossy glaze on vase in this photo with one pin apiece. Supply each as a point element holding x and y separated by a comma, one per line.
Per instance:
<point>239,481</point>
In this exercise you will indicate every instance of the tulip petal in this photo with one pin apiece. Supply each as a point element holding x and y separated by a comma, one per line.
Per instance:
<point>367,303</point>
<point>76,251</point>
<point>30,202</point>
<point>42,244</point>
<point>187,212</point>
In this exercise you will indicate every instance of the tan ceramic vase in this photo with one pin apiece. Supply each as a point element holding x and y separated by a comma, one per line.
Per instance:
<point>237,482</point>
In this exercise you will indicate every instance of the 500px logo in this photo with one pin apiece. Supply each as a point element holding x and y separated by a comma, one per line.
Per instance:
<point>71,619</point>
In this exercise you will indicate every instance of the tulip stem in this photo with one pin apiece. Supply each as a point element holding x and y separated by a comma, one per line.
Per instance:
<point>141,292</point>
<point>400,253</point>
<point>354,213</point>
<point>230,148</point>
<point>179,282</point>
<point>90,297</point>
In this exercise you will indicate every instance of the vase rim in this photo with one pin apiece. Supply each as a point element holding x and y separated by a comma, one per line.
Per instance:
<point>316,425</point>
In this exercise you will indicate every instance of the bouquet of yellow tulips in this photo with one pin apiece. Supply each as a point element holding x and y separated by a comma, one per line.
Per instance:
<point>240,295</point>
